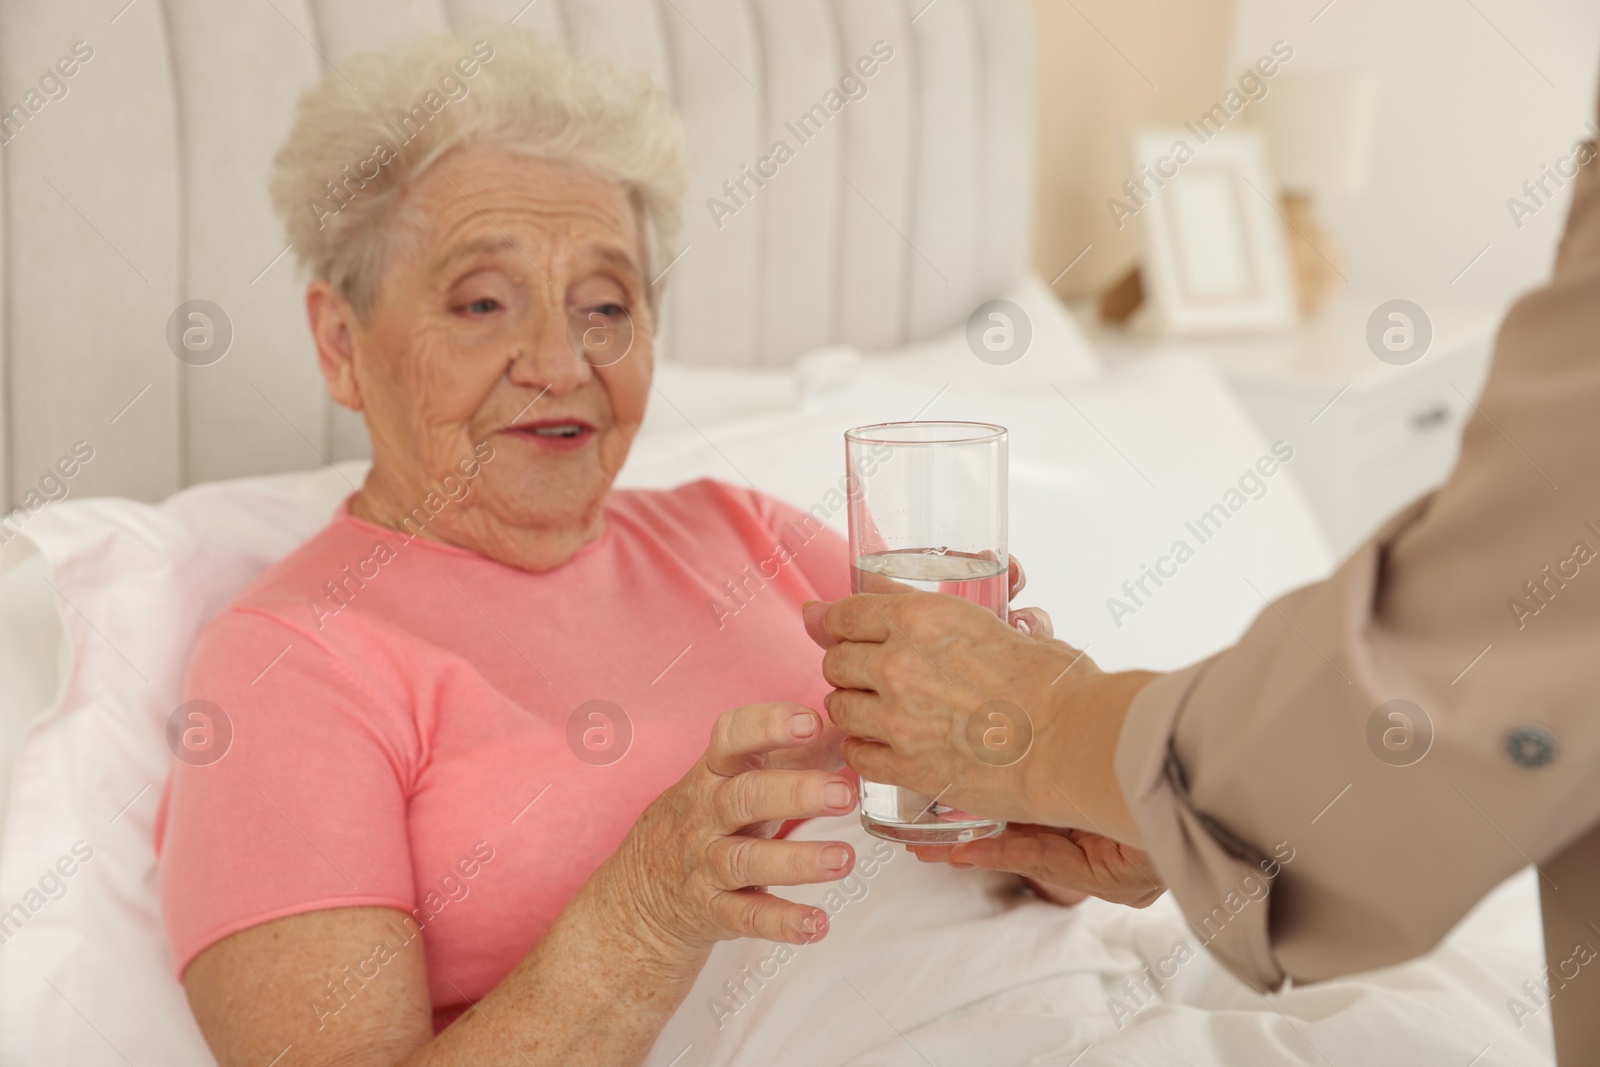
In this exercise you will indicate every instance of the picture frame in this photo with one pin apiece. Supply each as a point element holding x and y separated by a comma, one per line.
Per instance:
<point>1213,254</point>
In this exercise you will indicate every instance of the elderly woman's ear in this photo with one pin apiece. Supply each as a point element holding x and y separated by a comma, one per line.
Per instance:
<point>332,322</point>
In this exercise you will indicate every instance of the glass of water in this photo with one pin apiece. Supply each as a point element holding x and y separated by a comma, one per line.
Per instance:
<point>927,513</point>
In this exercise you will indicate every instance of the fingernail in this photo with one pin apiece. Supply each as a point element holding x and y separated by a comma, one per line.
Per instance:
<point>835,858</point>
<point>836,795</point>
<point>814,617</point>
<point>1022,625</point>
<point>803,725</point>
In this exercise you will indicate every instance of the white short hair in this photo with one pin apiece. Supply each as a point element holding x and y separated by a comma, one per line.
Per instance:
<point>398,112</point>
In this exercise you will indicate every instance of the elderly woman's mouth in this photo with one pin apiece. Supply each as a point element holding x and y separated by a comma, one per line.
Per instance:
<point>566,434</point>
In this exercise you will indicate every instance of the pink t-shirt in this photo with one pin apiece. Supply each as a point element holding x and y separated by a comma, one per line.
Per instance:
<point>419,727</point>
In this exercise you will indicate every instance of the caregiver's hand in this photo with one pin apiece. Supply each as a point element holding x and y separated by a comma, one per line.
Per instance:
<point>1063,866</point>
<point>920,678</point>
<point>694,868</point>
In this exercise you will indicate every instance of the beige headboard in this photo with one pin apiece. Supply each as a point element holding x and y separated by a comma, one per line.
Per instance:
<point>143,186</point>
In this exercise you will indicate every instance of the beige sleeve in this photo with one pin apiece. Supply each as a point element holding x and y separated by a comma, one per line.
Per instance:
<point>1297,841</point>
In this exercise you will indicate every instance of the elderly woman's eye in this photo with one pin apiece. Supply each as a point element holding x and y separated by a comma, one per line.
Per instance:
<point>483,306</point>
<point>609,311</point>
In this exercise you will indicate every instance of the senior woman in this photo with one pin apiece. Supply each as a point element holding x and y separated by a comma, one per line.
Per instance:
<point>424,817</point>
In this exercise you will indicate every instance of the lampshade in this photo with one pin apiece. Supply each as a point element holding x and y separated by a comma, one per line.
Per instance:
<point>1318,124</point>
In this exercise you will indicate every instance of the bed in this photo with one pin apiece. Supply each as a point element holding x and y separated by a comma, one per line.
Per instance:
<point>778,336</point>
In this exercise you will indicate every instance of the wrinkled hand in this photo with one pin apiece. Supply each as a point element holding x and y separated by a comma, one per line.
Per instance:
<point>695,867</point>
<point>1062,866</point>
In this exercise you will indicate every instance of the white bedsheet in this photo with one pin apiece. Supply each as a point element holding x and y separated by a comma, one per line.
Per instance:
<point>925,966</point>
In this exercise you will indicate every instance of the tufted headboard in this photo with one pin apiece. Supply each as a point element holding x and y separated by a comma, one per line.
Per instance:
<point>138,182</point>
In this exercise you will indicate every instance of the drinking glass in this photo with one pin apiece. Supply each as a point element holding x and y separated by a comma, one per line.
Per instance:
<point>927,512</point>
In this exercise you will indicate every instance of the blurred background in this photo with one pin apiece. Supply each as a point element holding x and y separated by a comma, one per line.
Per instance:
<point>1418,136</point>
<point>1474,96</point>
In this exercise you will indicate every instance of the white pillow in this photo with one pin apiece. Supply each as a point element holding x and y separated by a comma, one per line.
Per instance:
<point>32,649</point>
<point>85,975</point>
<point>1058,352</point>
<point>689,396</point>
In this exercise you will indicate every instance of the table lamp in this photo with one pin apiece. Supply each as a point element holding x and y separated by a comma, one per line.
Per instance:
<point>1318,125</point>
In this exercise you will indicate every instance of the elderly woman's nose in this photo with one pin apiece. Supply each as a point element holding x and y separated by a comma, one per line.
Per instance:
<point>546,360</point>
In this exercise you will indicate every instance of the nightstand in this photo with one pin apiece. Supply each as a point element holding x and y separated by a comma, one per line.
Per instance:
<point>1369,436</point>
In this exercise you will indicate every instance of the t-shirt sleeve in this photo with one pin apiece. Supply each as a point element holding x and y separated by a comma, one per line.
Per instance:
<point>304,809</point>
<point>821,553</point>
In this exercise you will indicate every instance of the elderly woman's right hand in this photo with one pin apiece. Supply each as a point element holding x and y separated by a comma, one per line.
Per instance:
<point>694,868</point>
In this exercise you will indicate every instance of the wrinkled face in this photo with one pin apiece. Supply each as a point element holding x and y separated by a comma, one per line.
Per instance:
<point>514,319</point>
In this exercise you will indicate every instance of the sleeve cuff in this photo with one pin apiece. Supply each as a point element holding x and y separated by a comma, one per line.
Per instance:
<point>1222,883</point>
